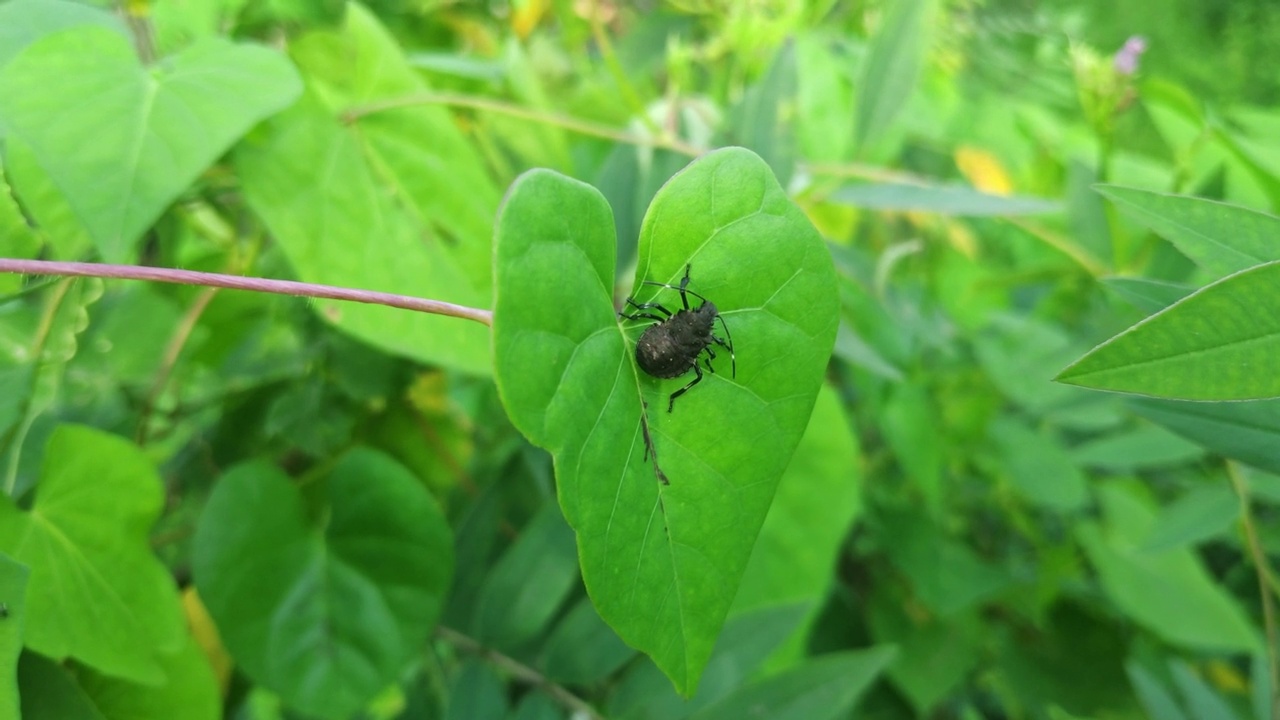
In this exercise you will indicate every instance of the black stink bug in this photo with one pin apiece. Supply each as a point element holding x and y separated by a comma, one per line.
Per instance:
<point>671,347</point>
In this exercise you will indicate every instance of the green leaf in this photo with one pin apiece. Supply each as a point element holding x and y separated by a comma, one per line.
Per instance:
<point>748,638</point>
<point>342,228</point>
<point>22,22</point>
<point>190,691</point>
<point>582,650</point>
<point>96,592</point>
<point>824,687</point>
<point>1200,514</point>
<point>55,221</point>
<point>1168,593</point>
<point>1142,448</point>
<point>1218,237</point>
<point>934,655</point>
<point>1147,295</point>
<point>1218,343</point>
<point>417,153</point>
<point>17,240</point>
<point>324,611</point>
<point>1086,212</point>
<point>662,562</point>
<point>527,586</point>
<point>1157,702</point>
<point>947,576</point>
<point>395,201</point>
<point>476,691</point>
<point>817,499</point>
<point>908,429</point>
<point>891,69</point>
<point>50,692</point>
<point>89,111</point>
<point>13,594</point>
<point>762,120</point>
<point>1244,431</point>
<point>1203,703</point>
<point>1038,466</point>
<point>824,97</point>
<point>945,200</point>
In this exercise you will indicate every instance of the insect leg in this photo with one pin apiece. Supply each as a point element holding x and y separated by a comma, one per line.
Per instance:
<point>733,359</point>
<point>683,287</point>
<point>711,355</point>
<point>697,370</point>
<point>645,315</point>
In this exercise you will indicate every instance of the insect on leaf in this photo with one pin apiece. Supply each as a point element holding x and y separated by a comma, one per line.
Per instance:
<point>662,562</point>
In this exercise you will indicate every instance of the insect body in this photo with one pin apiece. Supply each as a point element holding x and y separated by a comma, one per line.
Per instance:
<point>671,347</point>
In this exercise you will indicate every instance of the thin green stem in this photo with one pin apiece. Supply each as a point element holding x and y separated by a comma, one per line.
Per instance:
<point>572,124</point>
<point>43,331</point>
<point>521,672</point>
<point>1266,582</point>
<point>616,70</point>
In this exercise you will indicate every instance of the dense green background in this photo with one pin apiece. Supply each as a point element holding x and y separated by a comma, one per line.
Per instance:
<point>950,226</point>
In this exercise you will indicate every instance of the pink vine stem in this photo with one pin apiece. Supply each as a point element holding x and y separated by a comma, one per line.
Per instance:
<point>240,282</point>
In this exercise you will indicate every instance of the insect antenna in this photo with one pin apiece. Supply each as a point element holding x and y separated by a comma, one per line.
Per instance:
<point>733,359</point>
<point>674,287</point>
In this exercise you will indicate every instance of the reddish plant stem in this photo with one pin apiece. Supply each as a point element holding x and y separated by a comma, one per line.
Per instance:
<point>239,282</point>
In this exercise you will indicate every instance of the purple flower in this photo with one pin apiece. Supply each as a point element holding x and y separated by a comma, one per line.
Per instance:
<point>1126,61</point>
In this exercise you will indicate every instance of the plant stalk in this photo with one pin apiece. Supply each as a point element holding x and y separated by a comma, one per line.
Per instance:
<point>240,282</point>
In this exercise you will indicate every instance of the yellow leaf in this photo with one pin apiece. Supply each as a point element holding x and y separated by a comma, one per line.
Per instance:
<point>983,170</point>
<point>206,634</point>
<point>526,14</point>
<point>961,237</point>
<point>1225,677</point>
<point>429,393</point>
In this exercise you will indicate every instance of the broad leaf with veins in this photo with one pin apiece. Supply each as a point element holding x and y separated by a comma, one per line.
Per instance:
<point>662,563</point>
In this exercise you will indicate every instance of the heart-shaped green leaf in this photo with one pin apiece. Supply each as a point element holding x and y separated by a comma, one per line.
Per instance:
<point>396,200</point>
<point>96,592</point>
<point>1219,343</point>
<point>326,611</point>
<point>662,562</point>
<point>121,141</point>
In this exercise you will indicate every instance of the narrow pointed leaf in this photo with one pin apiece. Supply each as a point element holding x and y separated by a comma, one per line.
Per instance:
<point>891,69</point>
<point>823,688</point>
<point>942,199</point>
<point>662,562</point>
<point>1219,343</point>
<point>1218,237</point>
<point>1244,431</point>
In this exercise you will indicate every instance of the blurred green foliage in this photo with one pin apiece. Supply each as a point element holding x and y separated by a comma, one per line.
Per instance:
<point>352,522</point>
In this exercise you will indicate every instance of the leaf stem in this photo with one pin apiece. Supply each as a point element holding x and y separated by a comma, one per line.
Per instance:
<point>1265,582</point>
<point>10,440</point>
<point>583,127</point>
<point>240,282</point>
<point>611,62</point>
<point>177,341</point>
<point>521,672</point>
